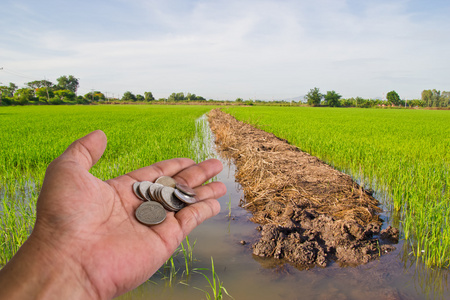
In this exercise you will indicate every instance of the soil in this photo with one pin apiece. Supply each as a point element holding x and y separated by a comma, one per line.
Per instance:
<point>309,213</point>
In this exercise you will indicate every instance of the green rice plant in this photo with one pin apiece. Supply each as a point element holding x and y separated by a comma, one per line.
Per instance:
<point>401,154</point>
<point>188,252</point>
<point>31,137</point>
<point>215,285</point>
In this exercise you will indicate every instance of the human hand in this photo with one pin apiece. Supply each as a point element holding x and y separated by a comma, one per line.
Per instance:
<point>88,228</point>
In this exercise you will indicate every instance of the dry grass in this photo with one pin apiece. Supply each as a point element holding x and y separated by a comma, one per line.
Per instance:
<point>277,177</point>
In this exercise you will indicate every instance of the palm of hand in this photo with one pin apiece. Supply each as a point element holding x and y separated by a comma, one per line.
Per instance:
<point>92,222</point>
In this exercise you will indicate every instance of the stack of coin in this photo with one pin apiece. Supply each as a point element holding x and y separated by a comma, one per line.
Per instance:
<point>164,194</point>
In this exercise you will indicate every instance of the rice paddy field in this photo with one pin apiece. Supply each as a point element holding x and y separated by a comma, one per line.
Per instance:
<point>31,137</point>
<point>401,154</point>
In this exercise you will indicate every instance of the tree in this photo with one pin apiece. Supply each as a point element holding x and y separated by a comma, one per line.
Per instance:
<point>176,97</point>
<point>139,97</point>
<point>128,96</point>
<point>66,95</point>
<point>148,96</point>
<point>68,83</point>
<point>44,92</point>
<point>24,95</point>
<point>314,97</point>
<point>40,83</point>
<point>94,96</point>
<point>332,98</point>
<point>394,98</point>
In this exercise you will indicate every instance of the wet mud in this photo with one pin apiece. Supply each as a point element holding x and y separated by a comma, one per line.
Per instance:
<point>309,214</point>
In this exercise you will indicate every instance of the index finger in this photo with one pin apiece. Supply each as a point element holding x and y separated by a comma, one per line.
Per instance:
<point>166,167</point>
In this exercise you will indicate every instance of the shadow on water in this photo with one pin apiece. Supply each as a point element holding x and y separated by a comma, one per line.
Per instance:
<point>393,276</point>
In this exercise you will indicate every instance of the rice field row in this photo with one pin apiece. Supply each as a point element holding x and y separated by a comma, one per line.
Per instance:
<point>31,137</point>
<point>402,154</point>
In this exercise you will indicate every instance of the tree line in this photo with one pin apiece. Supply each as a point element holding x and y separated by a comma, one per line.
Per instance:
<point>430,98</point>
<point>64,91</point>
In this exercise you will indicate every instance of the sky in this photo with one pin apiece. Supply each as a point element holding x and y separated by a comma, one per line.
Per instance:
<point>225,49</point>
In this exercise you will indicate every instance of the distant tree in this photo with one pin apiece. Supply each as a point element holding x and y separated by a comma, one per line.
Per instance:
<point>68,83</point>
<point>94,96</point>
<point>44,92</point>
<point>128,96</point>
<point>239,100</point>
<point>176,97</point>
<point>24,95</point>
<point>67,95</point>
<point>393,98</point>
<point>140,98</point>
<point>40,83</point>
<point>8,91</point>
<point>332,98</point>
<point>314,97</point>
<point>148,96</point>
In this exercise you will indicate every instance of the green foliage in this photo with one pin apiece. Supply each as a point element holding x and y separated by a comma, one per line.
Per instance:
<point>65,95</point>
<point>44,92</point>
<point>239,100</point>
<point>68,83</point>
<point>332,98</point>
<point>434,98</point>
<point>24,95</point>
<point>314,97</point>
<point>393,98</point>
<point>128,96</point>
<point>401,154</point>
<point>148,96</point>
<point>39,84</point>
<point>8,91</point>
<point>139,98</point>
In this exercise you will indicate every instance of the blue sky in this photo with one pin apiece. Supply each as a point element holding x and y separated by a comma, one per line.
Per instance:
<point>272,49</point>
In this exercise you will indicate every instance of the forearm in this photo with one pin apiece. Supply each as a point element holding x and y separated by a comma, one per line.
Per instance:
<point>34,273</point>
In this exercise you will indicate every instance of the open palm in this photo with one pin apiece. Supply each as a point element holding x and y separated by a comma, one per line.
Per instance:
<point>91,223</point>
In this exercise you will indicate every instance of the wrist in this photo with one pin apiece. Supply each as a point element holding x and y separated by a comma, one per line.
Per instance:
<point>38,271</point>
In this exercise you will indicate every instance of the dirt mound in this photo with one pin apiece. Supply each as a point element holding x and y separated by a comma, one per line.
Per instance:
<point>310,213</point>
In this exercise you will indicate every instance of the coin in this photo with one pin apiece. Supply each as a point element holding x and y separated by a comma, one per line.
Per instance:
<point>167,194</point>
<point>150,213</point>
<point>166,181</point>
<point>143,189</point>
<point>136,190</point>
<point>183,197</point>
<point>152,191</point>
<point>185,189</point>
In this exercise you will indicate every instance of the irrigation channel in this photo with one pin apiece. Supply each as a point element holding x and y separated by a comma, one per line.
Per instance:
<point>227,238</point>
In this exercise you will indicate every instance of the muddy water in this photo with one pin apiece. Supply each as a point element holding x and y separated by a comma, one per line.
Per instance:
<point>247,277</point>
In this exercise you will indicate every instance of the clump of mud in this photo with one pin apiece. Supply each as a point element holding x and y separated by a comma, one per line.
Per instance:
<point>310,213</point>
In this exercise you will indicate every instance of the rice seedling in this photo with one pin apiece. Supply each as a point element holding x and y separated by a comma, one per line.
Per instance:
<point>401,154</point>
<point>214,283</point>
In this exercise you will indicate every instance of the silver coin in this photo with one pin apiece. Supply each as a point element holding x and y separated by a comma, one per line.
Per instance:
<point>143,189</point>
<point>184,198</point>
<point>152,191</point>
<point>167,194</point>
<point>150,213</point>
<point>166,181</point>
<point>185,189</point>
<point>136,190</point>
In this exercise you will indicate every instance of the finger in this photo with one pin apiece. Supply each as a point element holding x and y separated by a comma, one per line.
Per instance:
<point>193,215</point>
<point>177,226</point>
<point>87,150</point>
<point>213,190</point>
<point>198,174</point>
<point>166,167</point>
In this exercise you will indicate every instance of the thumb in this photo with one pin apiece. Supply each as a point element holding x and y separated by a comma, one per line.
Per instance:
<point>87,150</point>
